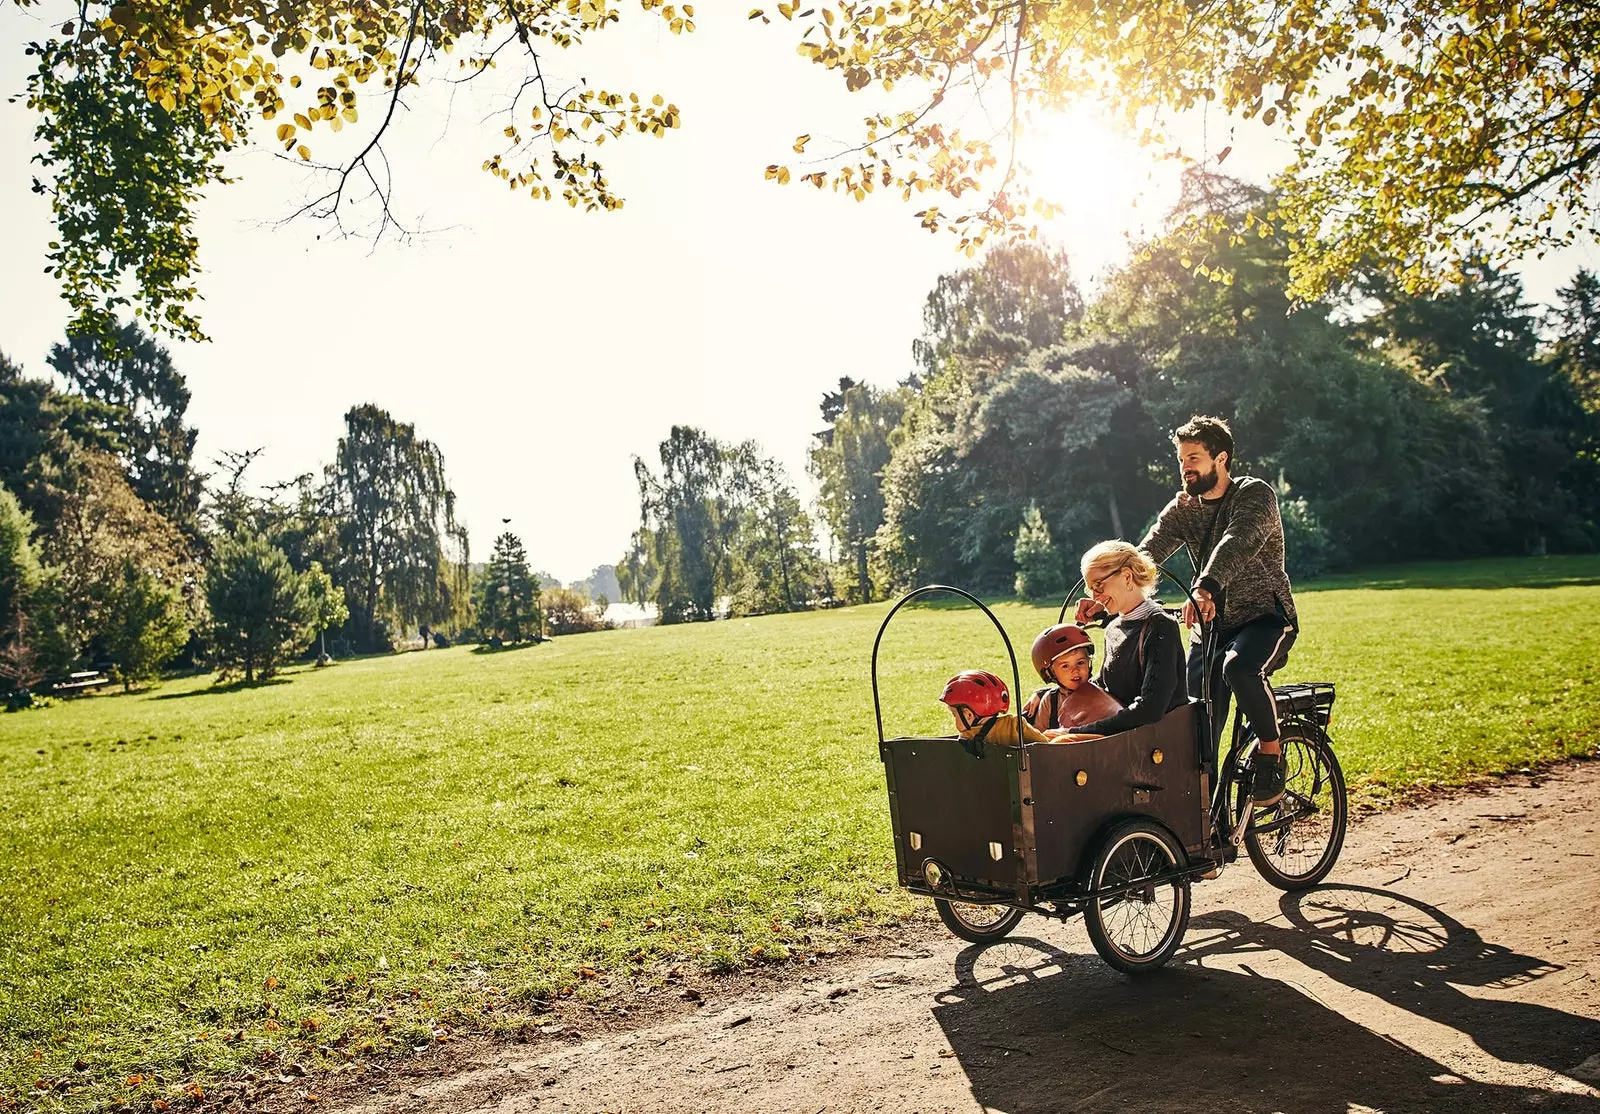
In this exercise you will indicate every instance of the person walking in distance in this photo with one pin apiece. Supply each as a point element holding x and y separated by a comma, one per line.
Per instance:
<point>1234,534</point>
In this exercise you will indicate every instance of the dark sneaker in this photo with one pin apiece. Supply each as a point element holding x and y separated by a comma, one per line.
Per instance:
<point>1266,780</point>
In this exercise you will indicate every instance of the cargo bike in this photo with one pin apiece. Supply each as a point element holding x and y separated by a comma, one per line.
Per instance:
<point>1117,829</point>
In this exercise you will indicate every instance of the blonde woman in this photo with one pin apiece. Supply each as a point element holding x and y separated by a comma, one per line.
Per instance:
<point>1144,663</point>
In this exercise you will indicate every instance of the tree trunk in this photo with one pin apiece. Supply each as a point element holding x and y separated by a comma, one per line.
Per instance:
<point>863,581</point>
<point>249,659</point>
<point>1116,515</point>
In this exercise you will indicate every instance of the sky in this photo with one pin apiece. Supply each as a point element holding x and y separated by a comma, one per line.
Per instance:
<point>540,348</point>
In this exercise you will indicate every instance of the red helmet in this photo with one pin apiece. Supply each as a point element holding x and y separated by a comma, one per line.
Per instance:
<point>1054,642</point>
<point>981,693</point>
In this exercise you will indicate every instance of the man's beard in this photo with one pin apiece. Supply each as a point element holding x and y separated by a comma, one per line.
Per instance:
<point>1202,483</point>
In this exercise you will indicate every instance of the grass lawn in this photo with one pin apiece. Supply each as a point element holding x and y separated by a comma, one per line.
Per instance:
<point>371,854</point>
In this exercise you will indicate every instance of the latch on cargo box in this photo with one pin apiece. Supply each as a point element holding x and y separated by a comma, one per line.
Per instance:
<point>1141,793</point>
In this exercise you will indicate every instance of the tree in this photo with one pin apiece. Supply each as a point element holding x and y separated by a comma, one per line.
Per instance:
<point>847,459</point>
<point>691,514</point>
<point>145,625</point>
<point>776,567</point>
<point>508,604</point>
<point>328,609</point>
<point>1418,130</point>
<point>139,101</point>
<point>135,381</point>
<point>1024,292</point>
<point>19,580</point>
<point>568,611</point>
<point>396,515</point>
<point>1039,574</point>
<point>102,527</point>
<point>260,611</point>
<point>1576,324</point>
<point>42,435</point>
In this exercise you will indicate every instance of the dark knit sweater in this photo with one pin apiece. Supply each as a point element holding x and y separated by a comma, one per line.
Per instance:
<point>1244,568</point>
<point>1145,694</point>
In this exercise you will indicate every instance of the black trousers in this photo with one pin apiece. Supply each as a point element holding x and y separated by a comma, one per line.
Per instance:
<point>1245,657</point>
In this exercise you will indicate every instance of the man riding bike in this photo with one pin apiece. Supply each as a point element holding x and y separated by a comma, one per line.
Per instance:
<point>1234,534</point>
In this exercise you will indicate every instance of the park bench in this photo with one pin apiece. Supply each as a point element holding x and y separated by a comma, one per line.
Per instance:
<point>82,681</point>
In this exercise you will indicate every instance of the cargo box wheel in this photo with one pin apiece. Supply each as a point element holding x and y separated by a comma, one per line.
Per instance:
<point>1139,924</point>
<point>978,923</point>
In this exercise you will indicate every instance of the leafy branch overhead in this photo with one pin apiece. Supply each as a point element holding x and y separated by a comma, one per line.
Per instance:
<point>1422,132</point>
<point>140,99</point>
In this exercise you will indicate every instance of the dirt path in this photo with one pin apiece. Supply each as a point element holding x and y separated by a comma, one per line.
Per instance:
<point>1451,963</point>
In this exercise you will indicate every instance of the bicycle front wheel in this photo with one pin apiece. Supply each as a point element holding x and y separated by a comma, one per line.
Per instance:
<point>1139,918</point>
<point>1296,842</point>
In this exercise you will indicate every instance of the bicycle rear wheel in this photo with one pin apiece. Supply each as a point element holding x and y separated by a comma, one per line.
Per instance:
<point>1296,842</point>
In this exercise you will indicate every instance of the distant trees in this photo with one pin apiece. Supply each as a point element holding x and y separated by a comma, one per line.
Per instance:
<point>1445,412</point>
<point>847,460</point>
<point>145,625</point>
<point>328,608</point>
<point>508,596</point>
<point>260,610</point>
<point>718,521</point>
<point>398,537</point>
<point>19,580</point>
<point>148,400</point>
<point>569,611</point>
<point>1039,572</point>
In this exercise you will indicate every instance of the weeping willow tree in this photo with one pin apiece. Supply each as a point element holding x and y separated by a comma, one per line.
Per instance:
<point>403,557</point>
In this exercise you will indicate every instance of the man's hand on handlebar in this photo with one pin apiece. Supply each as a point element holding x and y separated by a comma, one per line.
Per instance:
<point>1207,606</point>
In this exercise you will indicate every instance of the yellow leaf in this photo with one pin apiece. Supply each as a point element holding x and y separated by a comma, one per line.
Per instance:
<point>304,152</point>
<point>300,119</point>
<point>349,114</point>
<point>285,131</point>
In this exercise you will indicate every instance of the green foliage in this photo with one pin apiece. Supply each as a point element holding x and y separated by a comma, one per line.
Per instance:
<point>569,611</point>
<point>508,595</point>
<point>138,100</point>
<point>133,377</point>
<point>626,801</point>
<point>1418,131</point>
<point>103,527</point>
<point>398,538</point>
<point>328,608</point>
<point>260,610</point>
<point>691,514</point>
<point>124,171</point>
<point>19,581</point>
<point>778,567</point>
<point>1039,573</point>
<point>847,459</point>
<point>1018,294</point>
<point>42,433</point>
<point>145,625</point>
<point>1576,324</point>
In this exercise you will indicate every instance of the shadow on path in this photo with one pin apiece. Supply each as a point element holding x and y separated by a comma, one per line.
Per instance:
<point>1036,1028</point>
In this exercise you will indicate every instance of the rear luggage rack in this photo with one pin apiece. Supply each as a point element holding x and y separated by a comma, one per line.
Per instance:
<point>1311,700</point>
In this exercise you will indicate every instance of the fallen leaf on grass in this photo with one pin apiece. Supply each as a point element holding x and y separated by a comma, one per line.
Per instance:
<point>194,1091</point>
<point>159,1104</point>
<point>134,1080</point>
<point>270,984</point>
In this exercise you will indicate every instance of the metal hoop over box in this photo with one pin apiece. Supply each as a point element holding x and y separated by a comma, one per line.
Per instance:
<point>1019,824</point>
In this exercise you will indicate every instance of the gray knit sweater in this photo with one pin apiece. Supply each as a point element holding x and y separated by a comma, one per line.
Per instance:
<point>1244,568</point>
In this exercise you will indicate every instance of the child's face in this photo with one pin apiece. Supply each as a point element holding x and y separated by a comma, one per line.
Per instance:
<point>965,720</point>
<point>1071,669</point>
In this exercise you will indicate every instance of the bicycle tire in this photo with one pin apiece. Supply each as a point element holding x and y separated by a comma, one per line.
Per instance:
<point>957,919</point>
<point>1266,839</point>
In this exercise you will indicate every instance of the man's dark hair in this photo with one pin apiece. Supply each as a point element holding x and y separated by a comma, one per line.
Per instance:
<point>1213,433</point>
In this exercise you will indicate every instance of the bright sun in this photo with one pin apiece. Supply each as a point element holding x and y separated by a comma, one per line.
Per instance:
<point>1109,190</point>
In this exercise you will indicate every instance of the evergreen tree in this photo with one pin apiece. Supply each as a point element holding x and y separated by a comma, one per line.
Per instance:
<point>1039,575</point>
<point>508,607</point>
<point>146,400</point>
<point>260,610</point>
<point>145,625</point>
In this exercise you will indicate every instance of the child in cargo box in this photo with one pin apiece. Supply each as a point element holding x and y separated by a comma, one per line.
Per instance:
<point>980,701</point>
<point>1062,654</point>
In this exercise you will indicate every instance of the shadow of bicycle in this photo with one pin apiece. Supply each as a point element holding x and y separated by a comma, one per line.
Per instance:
<point>1037,1028</point>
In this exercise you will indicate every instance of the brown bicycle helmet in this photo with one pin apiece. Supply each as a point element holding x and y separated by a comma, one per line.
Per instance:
<point>1055,641</point>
